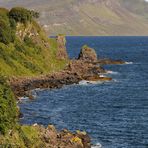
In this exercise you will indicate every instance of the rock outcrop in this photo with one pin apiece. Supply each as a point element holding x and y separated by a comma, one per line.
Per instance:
<point>63,139</point>
<point>61,43</point>
<point>87,54</point>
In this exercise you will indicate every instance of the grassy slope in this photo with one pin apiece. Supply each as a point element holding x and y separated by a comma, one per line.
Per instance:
<point>83,17</point>
<point>30,58</point>
<point>24,137</point>
<point>29,62</point>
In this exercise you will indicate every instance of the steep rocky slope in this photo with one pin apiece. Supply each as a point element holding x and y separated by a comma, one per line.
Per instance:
<point>89,17</point>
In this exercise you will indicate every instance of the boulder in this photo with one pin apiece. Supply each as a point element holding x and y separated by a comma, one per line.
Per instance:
<point>87,54</point>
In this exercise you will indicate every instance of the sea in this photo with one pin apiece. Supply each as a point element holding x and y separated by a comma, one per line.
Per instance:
<point>114,114</point>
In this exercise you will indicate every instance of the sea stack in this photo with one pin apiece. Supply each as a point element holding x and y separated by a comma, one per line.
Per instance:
<point>87,54</point>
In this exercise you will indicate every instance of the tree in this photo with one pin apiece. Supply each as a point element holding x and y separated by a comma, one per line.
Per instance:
<point>20,14</point>
<point>23,15</point>
<point>34,14</point>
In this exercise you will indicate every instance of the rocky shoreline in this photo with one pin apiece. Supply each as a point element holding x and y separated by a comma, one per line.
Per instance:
<point>87,67</point>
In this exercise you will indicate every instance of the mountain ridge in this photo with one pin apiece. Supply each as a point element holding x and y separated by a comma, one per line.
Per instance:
<point>89,17</point>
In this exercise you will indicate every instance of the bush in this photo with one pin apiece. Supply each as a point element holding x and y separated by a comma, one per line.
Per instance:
<point>4,13</point>
<point>8,109</point>
<point>29,41</point>
<point>7,34</point>
<point>12,23</point>
<point>34,14</point>
<point>22,15</point>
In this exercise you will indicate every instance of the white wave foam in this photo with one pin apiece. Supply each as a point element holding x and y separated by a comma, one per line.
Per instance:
<point>128,62</point>
<point>23,98</point>
<point>98,145</point>
<point>114,80</point>
<point>84,82</point>
<point>102,76</point>
<point>112,72</point>
<point>95,82</point>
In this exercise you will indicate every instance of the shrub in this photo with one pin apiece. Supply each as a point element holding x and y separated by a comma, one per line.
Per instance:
<point>12,23</point>
<point>7,34</point>
<point>29,41</point>
<point>34,14</point>
<point>8,109</point>
<point>20,14</point>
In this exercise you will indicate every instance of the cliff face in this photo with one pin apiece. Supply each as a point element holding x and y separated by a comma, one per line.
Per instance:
<point>90,17</point>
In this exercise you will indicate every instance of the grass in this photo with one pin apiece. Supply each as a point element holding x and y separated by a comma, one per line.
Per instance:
<point>24,137</point>
<point>21,59</point>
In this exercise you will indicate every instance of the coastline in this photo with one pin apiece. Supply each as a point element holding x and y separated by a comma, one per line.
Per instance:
<point>86,67</point>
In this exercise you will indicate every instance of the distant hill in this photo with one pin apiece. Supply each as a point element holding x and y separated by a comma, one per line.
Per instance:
<point>89,17</point>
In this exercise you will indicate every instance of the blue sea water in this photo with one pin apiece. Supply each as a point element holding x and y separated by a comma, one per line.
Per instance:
<point>114,113</point>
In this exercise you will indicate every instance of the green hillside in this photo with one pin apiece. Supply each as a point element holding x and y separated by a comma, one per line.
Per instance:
<point>24,47</point>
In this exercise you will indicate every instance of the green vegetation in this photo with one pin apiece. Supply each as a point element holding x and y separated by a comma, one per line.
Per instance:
<point>7,35</point>
<point>85,46</point>
<point>25,50</point>
<point>22,15</point>
<point>8,109</point>
<point>11,133</point>
<point>23,137</point>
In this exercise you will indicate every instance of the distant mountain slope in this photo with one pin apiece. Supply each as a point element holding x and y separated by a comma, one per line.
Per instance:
<point>89,17</point>
<point>139,7</point>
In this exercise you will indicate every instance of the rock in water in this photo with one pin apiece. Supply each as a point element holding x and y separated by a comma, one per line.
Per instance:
<point>87,54</point>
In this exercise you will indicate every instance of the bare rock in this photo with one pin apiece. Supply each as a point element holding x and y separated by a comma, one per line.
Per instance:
<point>61,53</point>
<point>97,78</point>
<point>87,54</point>
<point>110,61</point>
